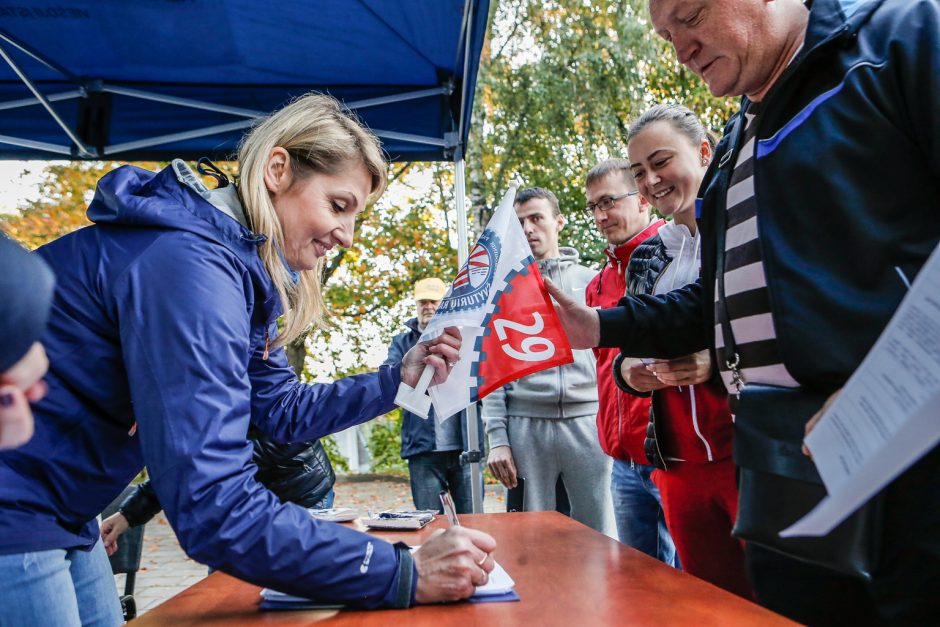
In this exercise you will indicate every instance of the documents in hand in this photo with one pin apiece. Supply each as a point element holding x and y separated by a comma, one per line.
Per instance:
<point>500,587</point>
<point>885,419</point>
<point>400,520</point>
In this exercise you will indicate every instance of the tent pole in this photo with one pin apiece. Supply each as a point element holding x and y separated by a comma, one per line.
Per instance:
<point>473,433</point>
<point>83,150</point>
<point>29,102</point>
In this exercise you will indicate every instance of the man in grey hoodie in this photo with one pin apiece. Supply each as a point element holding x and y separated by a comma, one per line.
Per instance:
<point>543,426</point>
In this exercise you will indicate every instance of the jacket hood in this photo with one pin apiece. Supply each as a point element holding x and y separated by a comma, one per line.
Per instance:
<point>677,238</point>
<point>567,256</point>
<point>131,196</point>
<point>413,325</point>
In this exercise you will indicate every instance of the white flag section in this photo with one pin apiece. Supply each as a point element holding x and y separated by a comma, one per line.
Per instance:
<point>886,417</point>
<point>506,319</point>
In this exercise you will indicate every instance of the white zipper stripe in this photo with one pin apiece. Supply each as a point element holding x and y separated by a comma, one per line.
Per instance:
<point>708,449</point>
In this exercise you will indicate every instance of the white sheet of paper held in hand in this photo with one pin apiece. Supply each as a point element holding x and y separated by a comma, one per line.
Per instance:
<point>888,414</point>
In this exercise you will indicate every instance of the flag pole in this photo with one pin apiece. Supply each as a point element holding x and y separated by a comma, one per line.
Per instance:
<point>473,454</point>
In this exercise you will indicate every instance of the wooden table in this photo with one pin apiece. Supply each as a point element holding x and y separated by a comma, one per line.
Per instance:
<point>565,573</point>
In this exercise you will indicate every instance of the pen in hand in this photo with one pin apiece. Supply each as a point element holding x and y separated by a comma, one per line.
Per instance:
<point>448,504</point>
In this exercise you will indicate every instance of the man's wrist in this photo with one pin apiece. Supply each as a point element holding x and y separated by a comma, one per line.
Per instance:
<point>498,438</point>
<point>621,383</point>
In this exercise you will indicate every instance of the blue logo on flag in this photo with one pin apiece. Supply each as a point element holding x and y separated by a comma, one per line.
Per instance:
<point>472,286</point>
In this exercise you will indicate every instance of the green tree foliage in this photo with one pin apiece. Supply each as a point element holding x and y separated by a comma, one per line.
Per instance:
<point>560,82</point>
<point>385,444</point>
<point>339,461</point>
<point>59,206</point>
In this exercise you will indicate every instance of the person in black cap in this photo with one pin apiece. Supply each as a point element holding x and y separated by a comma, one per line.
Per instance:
<point>26,286</point>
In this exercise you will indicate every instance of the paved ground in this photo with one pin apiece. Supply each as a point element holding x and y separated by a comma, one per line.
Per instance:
<point>165,570</point>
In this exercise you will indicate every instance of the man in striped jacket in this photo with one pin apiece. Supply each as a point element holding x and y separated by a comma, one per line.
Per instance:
<point>835,92</point>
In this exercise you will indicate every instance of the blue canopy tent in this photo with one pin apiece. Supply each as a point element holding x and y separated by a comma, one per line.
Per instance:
<point>160,79</point>
<point>111,79</point>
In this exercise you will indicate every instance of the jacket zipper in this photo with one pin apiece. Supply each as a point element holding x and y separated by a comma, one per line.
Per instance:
<point>659,450</point>
<point>660,277</point>
<point>692,404</point>
<point>620,395</point>
<point>561,373</point>
<point>762,123</point>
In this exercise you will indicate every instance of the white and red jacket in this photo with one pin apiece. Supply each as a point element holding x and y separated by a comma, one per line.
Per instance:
<point>621,418</point>
<point>688,423</point>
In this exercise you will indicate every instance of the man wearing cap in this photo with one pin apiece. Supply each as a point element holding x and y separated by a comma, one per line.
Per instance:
<point>431,446</point>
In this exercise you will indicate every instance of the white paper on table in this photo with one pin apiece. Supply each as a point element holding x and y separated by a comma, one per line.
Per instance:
<point>886,417</point>
<point>498,582</point>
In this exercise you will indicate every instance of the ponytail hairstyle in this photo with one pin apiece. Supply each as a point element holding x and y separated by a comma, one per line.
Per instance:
<point>680,118</point>
<point>321,136</point>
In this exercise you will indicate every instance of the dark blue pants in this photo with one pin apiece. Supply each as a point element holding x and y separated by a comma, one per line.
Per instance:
<point>433,472</point>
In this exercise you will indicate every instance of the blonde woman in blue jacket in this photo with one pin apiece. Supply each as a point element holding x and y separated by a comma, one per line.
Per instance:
<point>164,347</point>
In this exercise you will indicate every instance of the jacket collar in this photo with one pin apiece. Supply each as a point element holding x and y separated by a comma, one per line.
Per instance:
<point>621,254</point>
<point>566,256</point>
<point>832,17</point>
<point>413,325</point>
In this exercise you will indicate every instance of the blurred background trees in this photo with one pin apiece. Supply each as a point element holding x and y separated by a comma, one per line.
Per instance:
<point>559,83</point>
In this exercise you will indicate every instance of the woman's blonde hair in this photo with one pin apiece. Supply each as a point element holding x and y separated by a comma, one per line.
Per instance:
<point>321,136</point>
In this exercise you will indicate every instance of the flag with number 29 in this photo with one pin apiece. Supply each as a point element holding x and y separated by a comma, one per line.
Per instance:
<point>506,318</point>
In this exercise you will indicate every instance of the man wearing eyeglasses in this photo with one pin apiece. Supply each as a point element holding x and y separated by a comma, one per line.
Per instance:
<point>622,217</point>
<point>542,427</point>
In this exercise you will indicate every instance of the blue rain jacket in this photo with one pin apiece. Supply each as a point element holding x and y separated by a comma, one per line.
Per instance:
<point>161,316</point>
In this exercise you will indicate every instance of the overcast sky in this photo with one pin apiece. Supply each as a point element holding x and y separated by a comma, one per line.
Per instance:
<point>14,189</point>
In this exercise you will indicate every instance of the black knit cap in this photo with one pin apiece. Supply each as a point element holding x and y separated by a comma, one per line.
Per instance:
<point>26,288</point>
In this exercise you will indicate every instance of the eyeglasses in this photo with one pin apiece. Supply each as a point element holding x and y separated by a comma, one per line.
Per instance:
<point>607,203</point>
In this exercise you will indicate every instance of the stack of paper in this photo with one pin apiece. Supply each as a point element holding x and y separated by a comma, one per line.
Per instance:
<point>410,519</point>
<point>274,600</point>
<point>335,514</point>
<point>499,587</point>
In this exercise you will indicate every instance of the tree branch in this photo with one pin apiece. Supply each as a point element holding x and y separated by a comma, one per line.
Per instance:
<point>333,266</point>
<point>510,37</point>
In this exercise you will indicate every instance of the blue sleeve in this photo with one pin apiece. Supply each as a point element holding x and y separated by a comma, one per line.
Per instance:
<point>287,410</point>
<point>665,326</point>
<point>396,350</point>
<point>185,333</point>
